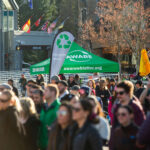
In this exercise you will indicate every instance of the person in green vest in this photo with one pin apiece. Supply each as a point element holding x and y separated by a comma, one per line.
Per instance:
<point>48,115</point>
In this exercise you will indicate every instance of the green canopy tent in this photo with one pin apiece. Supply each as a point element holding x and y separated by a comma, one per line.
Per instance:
<point>78,60</point>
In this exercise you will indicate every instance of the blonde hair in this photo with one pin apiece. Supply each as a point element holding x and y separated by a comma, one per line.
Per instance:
<point>13,98</point>
<point>102,84</point>
<point>93,83</point>
<point>28,106</point>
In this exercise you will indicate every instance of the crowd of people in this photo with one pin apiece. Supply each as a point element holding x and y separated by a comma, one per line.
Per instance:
<point>67,115</point>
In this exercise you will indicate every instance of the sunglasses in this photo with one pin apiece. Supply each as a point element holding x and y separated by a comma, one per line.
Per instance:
<point>3,101</point>
<point>122,114</point>
<point>120,93</point>
<point>76,109</point>
<point>62,113</point>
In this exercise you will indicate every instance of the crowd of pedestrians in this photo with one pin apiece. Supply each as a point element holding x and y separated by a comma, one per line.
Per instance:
<point>67,115</point>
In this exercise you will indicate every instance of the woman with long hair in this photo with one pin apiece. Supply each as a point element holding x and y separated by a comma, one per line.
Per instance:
<point>84,134</point>
<point>11,130</point>
<point>92,85</point>
<point>29,118</point>
<point>59,134</point>
<point>103,126</point>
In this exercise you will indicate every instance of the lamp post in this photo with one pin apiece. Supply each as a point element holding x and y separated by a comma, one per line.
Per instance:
<point>1,38</point>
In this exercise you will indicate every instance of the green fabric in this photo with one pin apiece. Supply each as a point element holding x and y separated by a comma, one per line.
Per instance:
<point>78,60</point>
<point>47,118</point>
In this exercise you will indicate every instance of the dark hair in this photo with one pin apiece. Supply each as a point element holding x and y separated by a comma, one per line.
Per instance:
<point>87,106</point>
<point>56,130</point>
<point>31,81</point>
<point>77,76</point>
<point>67,98</point>
<point>127,86</point>
<point>11,80</point>
<point>34,86</point>
<point>128,108</point>
<point>139,82</point>
<point>39,91</point>
<point>97,104</point>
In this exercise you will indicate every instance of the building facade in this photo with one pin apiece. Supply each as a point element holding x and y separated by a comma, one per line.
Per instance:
<point>8,23</point>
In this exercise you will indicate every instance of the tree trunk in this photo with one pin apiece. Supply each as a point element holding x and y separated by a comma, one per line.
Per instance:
<point>138,57</point>
<point>119,62</point>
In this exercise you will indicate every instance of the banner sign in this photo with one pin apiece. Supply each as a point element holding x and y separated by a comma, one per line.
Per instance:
<point>62,45</point>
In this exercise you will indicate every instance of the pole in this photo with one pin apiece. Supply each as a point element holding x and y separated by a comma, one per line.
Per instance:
<point>1,38</point>
<point>55,36</point>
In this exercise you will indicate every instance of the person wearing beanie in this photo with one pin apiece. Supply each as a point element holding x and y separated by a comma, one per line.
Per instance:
<point>55,79</point>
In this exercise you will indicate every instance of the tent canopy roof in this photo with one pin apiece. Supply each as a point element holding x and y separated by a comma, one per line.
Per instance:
<point>78,60</point>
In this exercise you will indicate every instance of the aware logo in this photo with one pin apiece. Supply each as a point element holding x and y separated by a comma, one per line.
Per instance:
<point>79,56</point>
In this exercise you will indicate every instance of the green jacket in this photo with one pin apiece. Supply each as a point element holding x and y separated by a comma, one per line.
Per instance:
<point>47,118</point>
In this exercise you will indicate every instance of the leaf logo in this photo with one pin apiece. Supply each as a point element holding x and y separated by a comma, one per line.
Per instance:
<point>63,41</point>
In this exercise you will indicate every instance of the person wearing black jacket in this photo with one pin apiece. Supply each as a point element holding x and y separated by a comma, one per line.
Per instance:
<point>84,135</point>
<point>71,81</point>
<point>15,90</point>
<point>39,79</point>
<point>11,130</point>
<point>103,93</point>
<point>138,89</point>
<point>59,134</point>
<point>29,119</point>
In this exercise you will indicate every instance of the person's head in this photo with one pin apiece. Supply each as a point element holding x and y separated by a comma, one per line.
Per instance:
<point>64,114</point>
<point>55,79</point>
<point>29,84</point>
<point>75,90</point>
<point>32,89</point>
<point>71,98</point>
<point>28,107</point>
<point>7,98</point>
<point>138,84</point>
<point>97,109</point>
<point>71,78</point>
<point>40,76</point>
<point>38,96</point>
<point>84,92</point>
<point>10,82</point>
<point>22,76</point>
<point>91,84</point>
<point>51,92</point>
<point>5,86</point>
<point>102,84</point>
<point>112,82</point>
<point>62,86</point>
<point>125,115</point>
<point>107,81</point>
<point>124,91</point>
<point>83,111</point>
<point>77,77</point>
